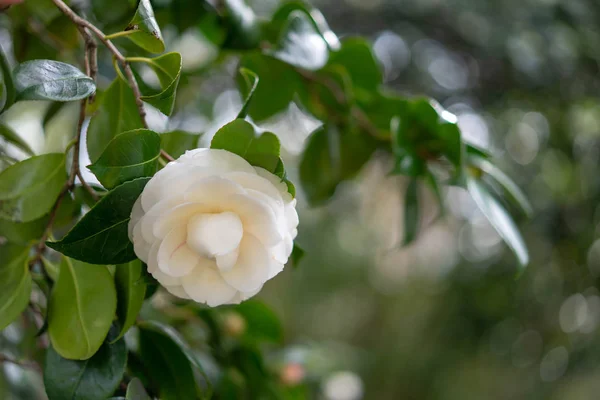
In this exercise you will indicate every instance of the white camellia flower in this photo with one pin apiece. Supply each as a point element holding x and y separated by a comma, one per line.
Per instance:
<point>213,228</point>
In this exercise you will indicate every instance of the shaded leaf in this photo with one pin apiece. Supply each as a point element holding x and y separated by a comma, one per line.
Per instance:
<point>168,70</point>
<point>117,113</point>
<point>411,211</point>
<point>251,80</point>
<point>242,26</point>
<point>136,391</point>
<point>15,282</point>
<point>177,142</point>
<point>51,80</point>
<point>499,218</point>
<point>357,57</point>
<point>22,232</point>
<point>95,378</point>
<point>297,255</point>
<point>101,237</point>
<point>29,189</point>
<point>130,155</point>
<point>144,29</point>
<point>81,310</point>
<point>261,321</point>
<point>7,85</point>
<point>131,291</point>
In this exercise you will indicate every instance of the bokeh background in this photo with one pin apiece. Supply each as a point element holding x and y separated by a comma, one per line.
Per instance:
<point>450,316</point>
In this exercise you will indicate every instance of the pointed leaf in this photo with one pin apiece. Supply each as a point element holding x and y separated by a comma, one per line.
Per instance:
<point>101,236</point>
<point>144,29</point>
<point>131,291</point>
<point>301,44</point>
<point>81,309</point>
<point>51,80</point>
<point>28,189</point>
<point>117,113</point>
<point>251,80</point>
<point>15,282</point>
<point>411,211</point>
<point>130,155</point>
<point>168,69</point>
<point>499,218</point>
<point>136,391</point>
<point>95,378</point>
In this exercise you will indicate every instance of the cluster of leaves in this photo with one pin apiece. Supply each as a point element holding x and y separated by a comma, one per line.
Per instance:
<point>95,287</point>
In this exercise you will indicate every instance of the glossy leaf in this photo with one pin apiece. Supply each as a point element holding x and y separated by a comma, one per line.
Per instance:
<point>95,378</point>
<point>499,218</point>
<point>130,155</point>
<point>117,113</point>
<point>301,44</point>
<point>243,31</point>
<point>411,211</point>
<point>278,84</point>
<point>81,309</point>
<point>7,85</point>
<point>136,391</point>
<point>144,29</point>
<point>168,70</point>
<point>12,137</point>
<point>251,80</point>
<point>166,363</point>
<point>51,80</point>
<point>262,324</point>
<point>100,237</point>
<point>131,291</point>
<point>15,282</point>
<point>28,189</point>
<point>177,142</point>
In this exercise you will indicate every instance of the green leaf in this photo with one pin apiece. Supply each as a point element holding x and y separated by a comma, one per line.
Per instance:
<point>242,26</point>
<point>130,155</point>
<point>262,324</point>
<point>330,157</point>
<point>168,70</point>
<point>100,237</point>
<point>51,268</point>
<point>143,29</point>
<point>251,80</point>
<point>29,189</point>
<point>95,378</point>
<point>511,190</point>
<point>297,255</point>
<point>15,282</point>
<point>136,391</point>
<point>166,364</point>
<point>279,83</point>
<point>177,142</point>
<point>81,310</point>
<point>131,291</point>
<point>7,85</point>
<point>301,44</point>
<point>357,57</point>
<point>51,80</point>
<point>411,211</point>
<point>240,137</point>
<point>499,218</point>
<point>22,232</point>
<point>117,113</point>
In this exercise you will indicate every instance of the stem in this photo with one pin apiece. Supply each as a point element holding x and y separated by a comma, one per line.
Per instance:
<point>87,187</point>
<point>24,364</point>
<point>119,34</point>
<point>166,155</point>
<point>139,59</point>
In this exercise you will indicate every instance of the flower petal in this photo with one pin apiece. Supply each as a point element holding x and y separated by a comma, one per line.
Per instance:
<point>257,217</point>
<point>177,291</point>
<point>177,216</point>
<point>214,234</point>
<point>161,277</point>
<point>140,246</point>
<point>211,190</point>
<point>226,261</point>
<point>205,285</point>
<point>175,257</point>
<point>220,161</point>
<point>256,182</point>
<point>252,267</point>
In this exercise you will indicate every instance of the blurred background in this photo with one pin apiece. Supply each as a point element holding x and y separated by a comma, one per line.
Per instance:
<point>447,317</point>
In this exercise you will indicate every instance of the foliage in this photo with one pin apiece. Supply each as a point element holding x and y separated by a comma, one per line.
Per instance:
<point>70,237</point>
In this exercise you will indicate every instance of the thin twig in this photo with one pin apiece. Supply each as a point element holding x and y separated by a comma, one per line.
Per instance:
<point>166,155</point>
<point>87,187</point>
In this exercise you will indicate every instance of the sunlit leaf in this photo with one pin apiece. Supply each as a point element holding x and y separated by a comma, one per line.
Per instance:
<point>15,282</point>
<point>251,80</point>
<point>168,70</point>
<point>144,29</point>
<point>81,310</point>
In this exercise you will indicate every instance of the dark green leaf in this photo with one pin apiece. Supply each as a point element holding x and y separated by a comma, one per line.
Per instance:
<point>92,379</point>
<point>131,291</point>
<point>357,57</point>
<point>301,44</point>
<point>411,211</point>
<point>166,363</point>
<point>51,80</point>
<point>117,113</point>
<point>278,84</point>
<point>109,11</point>
<point>243,31</point>
<point>7,85</point>
<point>168,70</point>
<point>15,282</point>
<point>261,321</point>
<point>297,255</point>
<point>499,218</point>
<point>251,80</point>
<point>28,189</point>
<point>81,309</point>
<point>100,237</point>
<point>136,391</point>
<point>177,142</point>
<point>130,155</point>
<point>144,29</point>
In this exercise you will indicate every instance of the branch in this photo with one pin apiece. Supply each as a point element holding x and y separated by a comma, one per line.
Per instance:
<point>25,364</point>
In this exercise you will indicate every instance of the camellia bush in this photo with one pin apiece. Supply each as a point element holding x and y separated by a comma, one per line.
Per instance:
<point>190,233</point>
